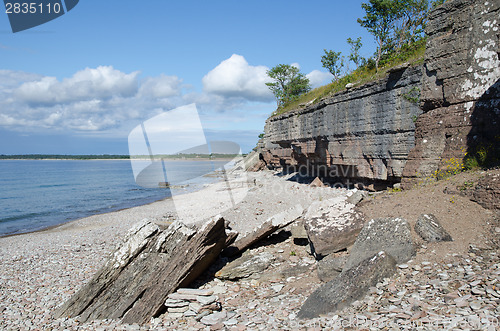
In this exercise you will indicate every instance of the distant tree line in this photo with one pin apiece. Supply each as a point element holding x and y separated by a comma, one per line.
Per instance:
<point>62,157</point>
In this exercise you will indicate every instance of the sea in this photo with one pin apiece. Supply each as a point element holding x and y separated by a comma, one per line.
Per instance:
<point>37,194</point>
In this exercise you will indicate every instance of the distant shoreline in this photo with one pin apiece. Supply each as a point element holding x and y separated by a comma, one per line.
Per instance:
<point>110,158</point>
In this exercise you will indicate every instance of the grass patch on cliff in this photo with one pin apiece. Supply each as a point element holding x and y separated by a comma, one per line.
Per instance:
<point>412,54</point>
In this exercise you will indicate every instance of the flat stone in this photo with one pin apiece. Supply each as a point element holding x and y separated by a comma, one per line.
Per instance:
<point>182,297</point>
<point>246,266</point>
<point>178,309</point>
<point>176,303</point>
<point>195,291</point>
<point>214,318</point>
<point>206,300</point>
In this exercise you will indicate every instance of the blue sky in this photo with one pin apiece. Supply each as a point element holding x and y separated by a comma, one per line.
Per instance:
<point>80,83</point>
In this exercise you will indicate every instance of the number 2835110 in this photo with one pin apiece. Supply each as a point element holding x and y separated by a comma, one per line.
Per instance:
<point>32,8</point>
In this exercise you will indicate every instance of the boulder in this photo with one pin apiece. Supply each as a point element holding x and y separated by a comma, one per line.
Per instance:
<point>349,286</point>
<point>152,262</point>
<point>272,224</point>
<point>330,267</point>
<point>391,235</point>
<point>429,228</point>
<point>356,197</point>
<point>332,225</point>
<point>246,266</point>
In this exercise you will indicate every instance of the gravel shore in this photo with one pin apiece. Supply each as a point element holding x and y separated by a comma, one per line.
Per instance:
<point>449,286</point>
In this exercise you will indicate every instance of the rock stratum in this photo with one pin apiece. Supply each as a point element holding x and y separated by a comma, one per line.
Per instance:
<point>377,134</point>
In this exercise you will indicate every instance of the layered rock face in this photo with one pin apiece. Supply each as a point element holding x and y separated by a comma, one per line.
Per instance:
<point>460,88</point>
<point>363,133</point>
<point>377,133</point>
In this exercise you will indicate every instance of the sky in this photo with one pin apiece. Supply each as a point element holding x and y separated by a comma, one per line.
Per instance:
<point>81,83</point>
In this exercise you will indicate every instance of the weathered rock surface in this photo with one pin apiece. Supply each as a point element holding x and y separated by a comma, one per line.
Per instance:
<point>429,228</point>
<point>460,92</point>
<point>391,235</point>
<point>364,133</point>
<point>272,224</point>
<point>330,267</point>
<point>332,225</point>
<point>487,191</point>
<point>356,197</point>
<point>350,285</point>
<point>246,266</point>
<point>152,263</point>
<point>298,230</point>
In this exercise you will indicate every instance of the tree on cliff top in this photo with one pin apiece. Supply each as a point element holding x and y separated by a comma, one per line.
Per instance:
<point>394,23</point>
<point>288,83</point>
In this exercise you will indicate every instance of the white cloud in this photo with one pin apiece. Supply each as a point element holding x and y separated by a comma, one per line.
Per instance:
<point>234,77</point>
<point>101,82</point>
<point>160,87</point>
<point>319,78</point>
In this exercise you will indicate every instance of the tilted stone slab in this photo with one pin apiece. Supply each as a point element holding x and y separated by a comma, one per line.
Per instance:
<point>332,225</point>
<point>272,224</point>
<point>429,228</point>
<point>152,263</point>
<point>349,286</point>
<point>246,266</point>
<point>392,235</point>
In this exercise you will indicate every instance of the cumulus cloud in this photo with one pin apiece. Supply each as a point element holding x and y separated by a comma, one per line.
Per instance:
<point>101,82</point>
<point>160,87</point>
<point>93,99</point>
<point>319,78</point>
<point>234,77</point>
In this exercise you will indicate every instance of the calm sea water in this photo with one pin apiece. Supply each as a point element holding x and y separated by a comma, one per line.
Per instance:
<point>36,194</point>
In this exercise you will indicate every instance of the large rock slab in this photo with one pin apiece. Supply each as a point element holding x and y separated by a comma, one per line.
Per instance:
<point>392,235</point>
<point>332,225</point>
<point>246,266</point>
<point>349,286</point>
<point>272,224</point>
<point>152,263</point>
<point>429,228</point>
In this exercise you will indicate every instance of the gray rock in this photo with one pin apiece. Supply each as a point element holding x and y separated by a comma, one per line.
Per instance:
<point>429,228</point>
<point>298,230</point>
<point>349,286</point>
<point>391,235</point>
<point>151,264</point>
<point>332,225</point>
<point>272,224</point>
<point>356,197</point>
<point>206,300</point>
<point>330,267</point>
<point>246,266</point>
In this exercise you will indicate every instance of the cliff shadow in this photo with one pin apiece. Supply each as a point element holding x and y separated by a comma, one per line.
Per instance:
<point>483,140</point>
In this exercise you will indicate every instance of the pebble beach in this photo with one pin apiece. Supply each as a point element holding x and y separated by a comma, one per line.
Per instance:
<point>458,289</point>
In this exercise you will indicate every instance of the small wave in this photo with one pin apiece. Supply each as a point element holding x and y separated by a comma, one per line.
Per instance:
<point>53,185</point>
<point>22,217</point>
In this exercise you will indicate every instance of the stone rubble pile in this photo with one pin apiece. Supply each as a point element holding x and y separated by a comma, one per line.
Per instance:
<point>189,302</point>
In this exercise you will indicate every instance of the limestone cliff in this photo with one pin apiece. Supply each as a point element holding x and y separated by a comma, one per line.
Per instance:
<point>460,88</point>
<point>374,133</point>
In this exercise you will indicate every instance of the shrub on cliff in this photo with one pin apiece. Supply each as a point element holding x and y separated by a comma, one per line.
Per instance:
<point>288,83</point>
